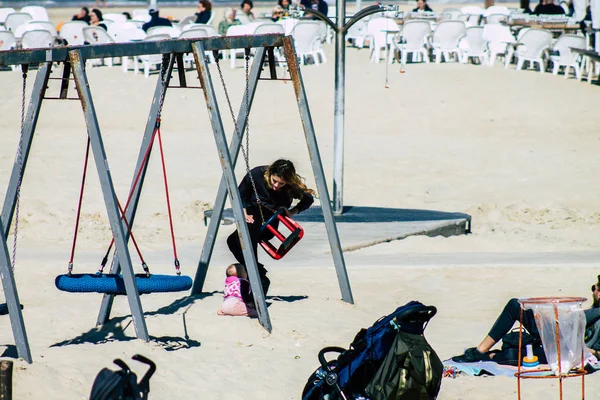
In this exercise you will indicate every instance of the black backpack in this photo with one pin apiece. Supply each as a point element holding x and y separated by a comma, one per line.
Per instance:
<point>122,384</point>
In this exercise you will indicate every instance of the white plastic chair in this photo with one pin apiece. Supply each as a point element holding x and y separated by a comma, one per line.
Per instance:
<point>210,30</point>
<point>4,11</point>
<point>269,28</point>
<point>474,45</point>
<point>566,58</point>
<point>357,33</point>
<point>72,32</point>
<point>97,35</point>
<point>413,39</point>
<point>451,13</point>
<point>237,30</point>
<point>197,33</point>
<point>114,17</point>
<point>190,19</point>
<point>43,25</point>
<point>532,46</point>
<point>40,39</point>
<point>379,38</point>
<point>8,41</point>
<point>149,59</point>
<point>14,20</point>
<point>243,18</point>
<point>172,31</point>
<point>446,38</point>
<point>496,19</point>
<point>115,29</point>
<point>141,15</point>
<point>307,41</point>
<point>496,10</point>
<point>497,38</point>
<point>38,13</point>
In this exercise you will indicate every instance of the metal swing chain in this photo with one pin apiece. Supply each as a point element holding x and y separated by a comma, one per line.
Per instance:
<point>19,160</point>
<point>245,151</point>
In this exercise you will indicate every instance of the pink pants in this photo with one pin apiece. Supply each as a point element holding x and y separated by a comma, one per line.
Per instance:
<point>236,308</point>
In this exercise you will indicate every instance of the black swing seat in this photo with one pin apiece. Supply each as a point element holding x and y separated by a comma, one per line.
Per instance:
<point>114,284</point>
<point>291,240</point>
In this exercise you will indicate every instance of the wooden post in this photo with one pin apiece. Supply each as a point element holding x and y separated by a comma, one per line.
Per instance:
<point>488,3</point>
<point>6,368</point>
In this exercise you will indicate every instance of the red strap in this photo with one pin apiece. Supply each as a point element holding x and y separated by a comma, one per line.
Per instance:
<point>85,165</point>
<point>164,167</point>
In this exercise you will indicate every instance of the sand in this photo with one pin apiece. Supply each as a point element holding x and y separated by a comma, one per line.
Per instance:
<point>518,150</point>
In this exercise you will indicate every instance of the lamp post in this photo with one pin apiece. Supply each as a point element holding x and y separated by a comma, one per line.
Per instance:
<point>340,27</point>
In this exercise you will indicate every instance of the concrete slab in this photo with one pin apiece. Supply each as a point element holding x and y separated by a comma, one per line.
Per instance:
<point>360,227</point>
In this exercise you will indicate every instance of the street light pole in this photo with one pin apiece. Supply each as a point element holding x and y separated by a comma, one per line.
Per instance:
<point>340,28</point>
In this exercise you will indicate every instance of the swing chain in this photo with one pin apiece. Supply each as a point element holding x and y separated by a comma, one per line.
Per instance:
<point>19,161</point>
<point>245,149</point>
<point>161,101</point>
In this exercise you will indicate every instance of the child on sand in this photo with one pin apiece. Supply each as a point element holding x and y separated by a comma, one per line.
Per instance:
<point>233,302</point>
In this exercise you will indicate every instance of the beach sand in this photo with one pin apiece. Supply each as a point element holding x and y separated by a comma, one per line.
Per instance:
<point>517,150</point>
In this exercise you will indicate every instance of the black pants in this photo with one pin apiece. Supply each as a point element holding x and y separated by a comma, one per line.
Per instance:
<point>233,242</point>
<point>509,316</point>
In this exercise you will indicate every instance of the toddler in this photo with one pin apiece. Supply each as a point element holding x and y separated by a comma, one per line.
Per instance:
<point>233,302</point>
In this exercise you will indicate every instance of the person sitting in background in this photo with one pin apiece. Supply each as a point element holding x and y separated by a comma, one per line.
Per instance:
<point>155,20</point>
<point>82,15</point>
<point>277,14</point>
<point>317,5</point>
<point>96,18</point>
<point>127,15</point>
<point>422,6</point>
<point>246,7</point>
<point>204,12</point>
<point>229,20</point>
<point>284,4</point>
<point>548,8</point>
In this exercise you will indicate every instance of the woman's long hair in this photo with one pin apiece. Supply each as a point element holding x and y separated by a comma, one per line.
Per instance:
<point>285,170</point>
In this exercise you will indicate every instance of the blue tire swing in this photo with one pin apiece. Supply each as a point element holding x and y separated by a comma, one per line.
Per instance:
<point>114,284</point>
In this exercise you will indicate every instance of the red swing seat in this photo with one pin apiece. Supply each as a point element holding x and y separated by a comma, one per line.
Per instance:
<point>287,243</point>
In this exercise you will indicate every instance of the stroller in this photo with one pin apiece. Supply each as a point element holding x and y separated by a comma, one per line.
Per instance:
<point>389,360</point>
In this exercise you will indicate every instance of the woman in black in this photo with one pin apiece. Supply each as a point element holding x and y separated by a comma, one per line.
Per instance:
<point>277,186</point>
<point>204,12</point>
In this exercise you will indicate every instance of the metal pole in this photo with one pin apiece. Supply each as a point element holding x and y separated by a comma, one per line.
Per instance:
<point>165,76</point>
<point>234,150</point>
<point>108,191</point>
<point>338,111</point>
<point>317,166</point>
<point>234,194</point>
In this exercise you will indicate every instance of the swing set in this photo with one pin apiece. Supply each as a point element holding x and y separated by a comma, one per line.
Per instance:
<point>121,280</point>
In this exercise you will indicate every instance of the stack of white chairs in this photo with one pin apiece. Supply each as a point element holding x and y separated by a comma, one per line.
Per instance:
<point>72,32</point>
<point>308,42</point>
<point>4,11</point>
<point>473,45</point>
<point>413,39</point>
<point>38,39</point>
<point>97,35</point>
<point>37,13</point>
<point>565,57</point>
<point>532,47</point>
<point>172,31</point>
<point>14,20</point>
<point>498,39</point>
<point>150,59</point>
<point>379,31</point>
<point>446,38</point>
<point>141,15</point>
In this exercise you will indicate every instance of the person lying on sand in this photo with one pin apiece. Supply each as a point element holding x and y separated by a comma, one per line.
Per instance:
<point>510,315</point>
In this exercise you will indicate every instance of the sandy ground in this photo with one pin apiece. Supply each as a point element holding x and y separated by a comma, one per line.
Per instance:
<point>517,150</point>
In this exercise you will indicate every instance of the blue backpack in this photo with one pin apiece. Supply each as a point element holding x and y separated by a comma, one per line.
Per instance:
<point>356,370</point>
